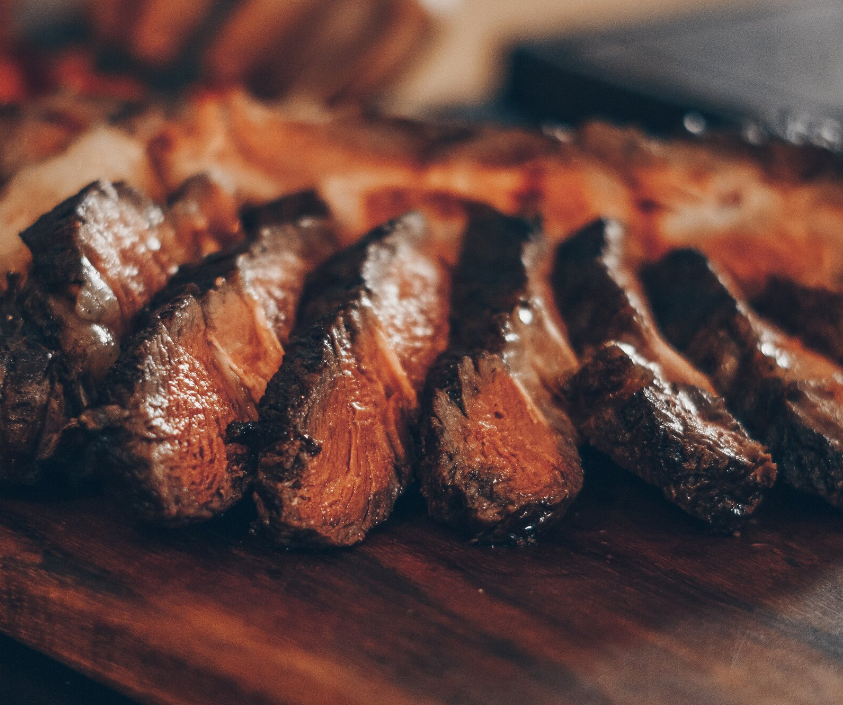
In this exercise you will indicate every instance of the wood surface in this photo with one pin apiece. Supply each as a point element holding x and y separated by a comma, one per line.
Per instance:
<point>628,601</point>
<point>30,678</point>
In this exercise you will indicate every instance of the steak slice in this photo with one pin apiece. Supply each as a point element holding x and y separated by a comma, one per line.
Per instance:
<point>32,395</point>
<point>206,214</point>
<point>202,363</point>
<point>500,457</point>
<point>812,313</point>
<point>334,430</point>
<point>98,259</point>
<point>638,401</point>
<point>789,397</point>
<point>104,153</point>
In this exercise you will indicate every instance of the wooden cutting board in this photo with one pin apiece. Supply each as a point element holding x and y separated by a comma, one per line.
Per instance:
<point>627,602</point>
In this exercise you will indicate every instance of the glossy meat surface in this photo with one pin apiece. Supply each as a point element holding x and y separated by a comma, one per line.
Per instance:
<point>334,431</point>
<point>789,397</point>
<point>201,364</point>
<point>499,458</point>
<point>98,259</point>
<point>636,400</point>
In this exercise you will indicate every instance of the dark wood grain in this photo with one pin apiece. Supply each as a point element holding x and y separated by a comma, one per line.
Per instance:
<point>629,601</point>
<point>30,678</point>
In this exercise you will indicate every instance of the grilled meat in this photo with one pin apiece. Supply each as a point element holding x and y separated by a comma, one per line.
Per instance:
<point>201,363</point>
<point>352,159</point>
<point>600,300</point>
<point>636,400</point>
<point>724,198</point>
<point>499,456</point>
<point>32,394</point>
<point>812,313</point>
<point>313,48</point>
<point>103,153</point>
<point>62,326</point>
<point>789,397</point>
<point>203,212</point>
<point>334,431</point>
<point>756,213</point>
<point>98,259</point>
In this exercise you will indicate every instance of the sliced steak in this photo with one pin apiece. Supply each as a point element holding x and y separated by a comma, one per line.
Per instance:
<point>104,153</point>
<point>638,401</point>
<point>812,313</point>
<point>789,397</point>
<point>202,363</point>
<point>601,301</point>
<point>32,394</point>
<point>499,456</point>
<point>205,213</point>
<point>334,431</point>
<point>98,259</point>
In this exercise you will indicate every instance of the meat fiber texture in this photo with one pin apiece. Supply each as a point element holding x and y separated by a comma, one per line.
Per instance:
<point>638,401</point>
<point>334,432</point>
<point>499,455</point>
<point>98,259</point>
<point>202,363</point>
<point>758,213</point>
<point>789,397</point>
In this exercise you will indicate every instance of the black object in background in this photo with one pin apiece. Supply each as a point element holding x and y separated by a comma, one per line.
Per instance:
<point>765,70</point>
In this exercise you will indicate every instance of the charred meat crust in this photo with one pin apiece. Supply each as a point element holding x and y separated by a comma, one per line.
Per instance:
<point>201,364</point>
<point>32,396</point>
<point>98,257</point>
<point>676,437</point>
<point>638,402</point>
<point>334,439</point>
<point>600,300</point>
<point>789,397</point>
<point>499,456</point>
<point>97,260</point>
<point>594,290</point>
<point>306,204</point>
<point>812,313</point>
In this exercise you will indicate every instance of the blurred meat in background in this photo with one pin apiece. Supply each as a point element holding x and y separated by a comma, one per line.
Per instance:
<point>411,55</point>
<point>325,50</point>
